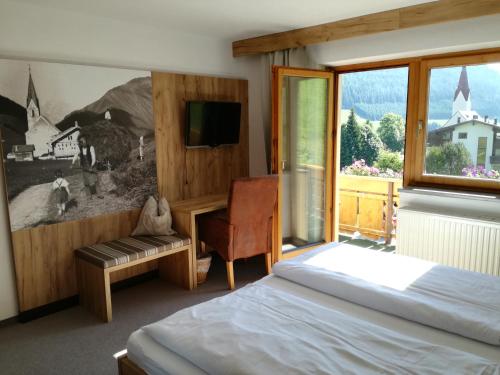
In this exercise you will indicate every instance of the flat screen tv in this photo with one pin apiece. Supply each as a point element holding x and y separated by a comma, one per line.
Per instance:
<point>211,124</point>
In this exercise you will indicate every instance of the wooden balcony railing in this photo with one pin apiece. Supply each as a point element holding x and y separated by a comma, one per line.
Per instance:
<point>367,205</point>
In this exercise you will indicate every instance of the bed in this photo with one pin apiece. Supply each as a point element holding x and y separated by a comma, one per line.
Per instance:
<point>195,340</point>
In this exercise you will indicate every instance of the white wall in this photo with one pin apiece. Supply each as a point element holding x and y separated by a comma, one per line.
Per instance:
<point>440,38</point>
<point>474,132</point>
<point>33,32</point>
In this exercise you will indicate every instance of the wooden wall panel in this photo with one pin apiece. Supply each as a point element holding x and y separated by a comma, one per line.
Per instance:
<point>190,173</point>
<point>43,256</point>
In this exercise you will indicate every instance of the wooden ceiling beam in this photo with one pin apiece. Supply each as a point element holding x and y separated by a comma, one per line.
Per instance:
<point>396,19</point>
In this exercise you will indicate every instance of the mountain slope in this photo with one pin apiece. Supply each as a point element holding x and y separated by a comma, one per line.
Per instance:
<point>374,93</point>
<point>130,106</point>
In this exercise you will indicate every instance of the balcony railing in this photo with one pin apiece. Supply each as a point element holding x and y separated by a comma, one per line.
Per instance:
<point>367,205</point>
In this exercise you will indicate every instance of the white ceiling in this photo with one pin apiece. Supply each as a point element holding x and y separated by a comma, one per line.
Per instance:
<point>228,19</point>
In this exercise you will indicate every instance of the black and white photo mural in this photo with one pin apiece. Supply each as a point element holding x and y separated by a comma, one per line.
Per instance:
<point>77,141</point>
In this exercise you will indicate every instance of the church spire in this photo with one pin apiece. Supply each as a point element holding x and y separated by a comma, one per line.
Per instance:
<point>462,100</point>
<point>32,92</point>
<point>463,85</point>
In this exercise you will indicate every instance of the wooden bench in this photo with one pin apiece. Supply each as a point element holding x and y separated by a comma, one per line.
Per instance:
<point>95,263</point>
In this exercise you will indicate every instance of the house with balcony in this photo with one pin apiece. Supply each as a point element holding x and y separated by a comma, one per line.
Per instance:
<point>479,134</point>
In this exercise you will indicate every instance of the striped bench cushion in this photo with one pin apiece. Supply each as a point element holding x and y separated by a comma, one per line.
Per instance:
<point>128,249</point>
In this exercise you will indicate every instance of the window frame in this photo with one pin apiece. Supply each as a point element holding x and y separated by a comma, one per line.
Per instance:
<point>418,127</point>
<point>416,114</point>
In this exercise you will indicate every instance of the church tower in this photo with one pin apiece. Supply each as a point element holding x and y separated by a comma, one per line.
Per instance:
<point>462,100</point>
<point>32,103</point>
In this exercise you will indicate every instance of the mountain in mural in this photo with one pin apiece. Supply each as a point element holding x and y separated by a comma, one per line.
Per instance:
<point>129,105</point>
<point>13,124</point>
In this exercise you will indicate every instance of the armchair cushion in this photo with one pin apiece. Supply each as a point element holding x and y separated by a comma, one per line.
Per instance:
<point>215,230</point>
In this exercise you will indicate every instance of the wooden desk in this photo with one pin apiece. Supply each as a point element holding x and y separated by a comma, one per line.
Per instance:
<point>184,218</point>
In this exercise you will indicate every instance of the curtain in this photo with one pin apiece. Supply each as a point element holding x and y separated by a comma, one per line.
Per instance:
<point>297,57</point>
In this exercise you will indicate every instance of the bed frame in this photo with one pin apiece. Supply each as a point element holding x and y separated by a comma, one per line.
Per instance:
<point>127,367</point>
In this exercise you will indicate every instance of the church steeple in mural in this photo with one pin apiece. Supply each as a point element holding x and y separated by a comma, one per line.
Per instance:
<point>32,103</point>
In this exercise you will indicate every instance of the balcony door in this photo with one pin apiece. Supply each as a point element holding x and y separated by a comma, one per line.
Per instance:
<point>302,156</point>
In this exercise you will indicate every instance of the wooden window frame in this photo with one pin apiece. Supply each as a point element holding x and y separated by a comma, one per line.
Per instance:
<point>416,114</point>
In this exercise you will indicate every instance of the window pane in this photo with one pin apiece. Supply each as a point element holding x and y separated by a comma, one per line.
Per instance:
<point>481,151</point>
<point>462,122</point>
<point>304,125</point>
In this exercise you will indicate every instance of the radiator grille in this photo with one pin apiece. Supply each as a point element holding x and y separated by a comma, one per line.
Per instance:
<point>466,243</point>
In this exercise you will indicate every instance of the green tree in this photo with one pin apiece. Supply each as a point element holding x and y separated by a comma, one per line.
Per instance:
<point>392,132</point>
<point>350,136</point>
<point>447,159</point>
<point>389,160</point>
<point>358,142</point>
<point>370,145</point>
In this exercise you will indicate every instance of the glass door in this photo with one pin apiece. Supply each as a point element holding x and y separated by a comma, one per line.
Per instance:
<point>302,157</point>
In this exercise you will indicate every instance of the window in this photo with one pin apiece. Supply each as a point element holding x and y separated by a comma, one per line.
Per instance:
<point>452,135</point>
<point>481,151</point>
<point>456,122</point>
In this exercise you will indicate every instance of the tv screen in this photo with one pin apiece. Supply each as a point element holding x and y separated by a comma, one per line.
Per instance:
<point>212,123</point>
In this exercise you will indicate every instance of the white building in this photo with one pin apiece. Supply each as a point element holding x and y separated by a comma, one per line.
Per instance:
<point>40,130</point>
<point>480,135</point>
<point>65,144</point>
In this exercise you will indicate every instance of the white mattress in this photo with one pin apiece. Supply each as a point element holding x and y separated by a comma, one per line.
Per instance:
<point>156,359</point>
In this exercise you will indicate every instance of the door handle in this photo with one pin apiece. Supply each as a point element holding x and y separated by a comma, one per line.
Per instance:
<point>283,165</point>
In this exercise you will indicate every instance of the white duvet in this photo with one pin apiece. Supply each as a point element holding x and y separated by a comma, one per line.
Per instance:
<point>262,330</point>
<point>461,302</point>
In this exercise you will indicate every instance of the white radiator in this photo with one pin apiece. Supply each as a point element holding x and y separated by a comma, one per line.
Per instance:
<point>468,243</point>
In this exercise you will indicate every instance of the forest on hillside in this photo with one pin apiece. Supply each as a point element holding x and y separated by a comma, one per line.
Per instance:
<point>374,93</point>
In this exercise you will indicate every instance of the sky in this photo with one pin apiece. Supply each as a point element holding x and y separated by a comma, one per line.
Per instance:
<point>61,88</point>
<point>494,66</point>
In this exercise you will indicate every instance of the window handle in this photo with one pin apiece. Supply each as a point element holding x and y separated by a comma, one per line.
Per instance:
<point>420,127</point>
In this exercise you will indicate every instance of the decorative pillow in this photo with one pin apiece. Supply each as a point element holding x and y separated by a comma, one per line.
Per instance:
<point>153,224</point>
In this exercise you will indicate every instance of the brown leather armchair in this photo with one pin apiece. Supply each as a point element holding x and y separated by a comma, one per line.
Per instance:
<point>245,228</point>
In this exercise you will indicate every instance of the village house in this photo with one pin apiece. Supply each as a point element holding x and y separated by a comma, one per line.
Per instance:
<point>480,135</point>
<point>65,144</point>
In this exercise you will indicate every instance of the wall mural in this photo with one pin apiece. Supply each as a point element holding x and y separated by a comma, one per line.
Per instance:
<point>77,141</point>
